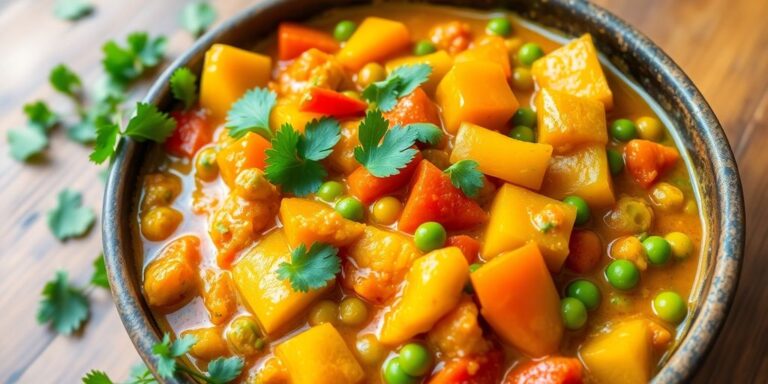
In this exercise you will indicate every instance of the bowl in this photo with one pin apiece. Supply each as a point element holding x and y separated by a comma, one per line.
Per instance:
<point>695,126</point>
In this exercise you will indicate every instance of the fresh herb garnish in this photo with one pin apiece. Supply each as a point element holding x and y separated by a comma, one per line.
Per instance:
<point>69,218</point>
<point>40,116</point>
<point>64,80</point>
<point>310,269</point>
<point>147,124</point>
<point>97,377</point>
<point>72,9</point>
<point>197,16</point>
<point>64,306</point>
<point>99,276</point>
<point>402,81</point>
<point>126,63</point>
<point>184,86</point>
<point>222,371</point>
<point>293,162</point>
<point>166,353</point>
<point>465,176</point>
<point>25,143</point>
<point>251,113</point>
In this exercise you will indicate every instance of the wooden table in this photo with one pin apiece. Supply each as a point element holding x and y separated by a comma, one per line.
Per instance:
<point>722,45</point>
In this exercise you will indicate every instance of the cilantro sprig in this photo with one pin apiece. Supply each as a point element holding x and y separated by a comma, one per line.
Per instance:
<point>65,81</point>
<point>251,113</point>
<point>293,162</point>
<point>465,176</point>
<point>72,9</point>
<point>148,123</point>
<point>197,16</point>
<point>29,141</point>
<point>125,63</point>
<point>184,86</point>
<point>69,218</point>
<point>310,269</point>
<point>402,81</point>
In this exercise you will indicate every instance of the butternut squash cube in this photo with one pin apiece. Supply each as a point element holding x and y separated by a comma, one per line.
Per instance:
<point>440,62</point>
<point>519,300</point>
<point>567,122</point>
<point>475,92</point>
<point>228,73</point>
<point>287,111</point>
<point>498,155</point>
<point>574,68</point>
<point>342,159</point>
<point>583,173</point>
<point>273,301</point>
<point>306,222</point>
<point>374,40</point>
<point>319,355</point>
<point>621,356</point>
<point>432,288</point>
<point>492,49</point>
<point>519,216</point>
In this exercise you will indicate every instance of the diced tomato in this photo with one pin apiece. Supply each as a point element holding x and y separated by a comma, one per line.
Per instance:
<point>416,107</point>
<point>192,133</point>
<point>467,244</point>
<point>434,198</point>
<point>584,251</point>
<point>647,160</point>
<point>332,103</point>
<point>294,39</point>
<point>367,187</point>
<point>552,370</point>
<point>471,370</point>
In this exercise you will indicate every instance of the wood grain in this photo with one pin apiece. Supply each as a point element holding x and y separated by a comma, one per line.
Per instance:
<point>721,44</point>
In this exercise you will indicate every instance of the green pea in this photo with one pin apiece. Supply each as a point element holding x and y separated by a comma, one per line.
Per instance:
<point>330,191</point>
<point>670,307</point>
<point>474,267</point>
<point>657,249</point>
<point>615,161</point>
<point>524,116</point>
<point>522,133</point>
<point>522,79</point>
<point>353,311</point>
<point>582,208</point>
<point>528,53</point>
<point>429,236</point>
<point>623,130</point>
<point>499,26</point>
<point>415,360</point>
<point>585,291</point>
<point>424,47</point>
<point>344,30</point>
<point>394,374</point>
<point>622,274</point>
<point>574,313</point>
<point>350,208</point>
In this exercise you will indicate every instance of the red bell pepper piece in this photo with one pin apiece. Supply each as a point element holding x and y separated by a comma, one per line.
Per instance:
<point>434,198</point>
<point>367,187</point>
<point>468,245</point>
<point>332,103</point>
<point>294,39</point>
<point>647,160</point>
<point>552,370</point>
<point>484,369</point>
<point>192,133</point>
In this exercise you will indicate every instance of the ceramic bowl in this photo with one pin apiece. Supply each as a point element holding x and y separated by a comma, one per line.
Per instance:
<point>635,55</point>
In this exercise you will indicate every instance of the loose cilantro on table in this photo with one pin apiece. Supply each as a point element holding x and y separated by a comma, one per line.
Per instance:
<point>72,9</point>
<point>99,276</point>
<point>97,377</point>
<point>26,143</point>
<point>402,81</point>
<point>64,80</point>
<point>126,63</point>
<point>310,269</point>
<point>40,116</point>
<point>197,16</point>
<point>465,176</point>
<point>64,306</point>
<point>293,162</point>
<point>69,218</point>
<point>251,113</point>
<point>147,124</point>
<point>184,86</point>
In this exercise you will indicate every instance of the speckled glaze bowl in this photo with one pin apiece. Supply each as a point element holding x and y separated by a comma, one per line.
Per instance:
<point>638,58</point>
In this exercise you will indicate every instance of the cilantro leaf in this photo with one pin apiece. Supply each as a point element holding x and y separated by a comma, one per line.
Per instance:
<point>287,167</point>
<point>85,131</point>
<point>26,143</point>
<point>251,113</point>
<point>222,371</point>
<point>148,51</point>
<point>126,63</point>
<point>320,136</point>
<point>106,138</point>
<point>149,124</point>
<point>99,276</point>
<point>97,377</point>
<point>63,306</point>
<point>394,151</point>
<point>40,116</point>
<point>402,81</point>
<point>426,133</point>
<point>69,218</point>
<point>65,80</point>
<point>72,9</point>
<point>166,353</point>
<point>310,270</point>
<point>184,86</point>
<point>140,374</point>
<point>465,176</point>
<point>196,17</point>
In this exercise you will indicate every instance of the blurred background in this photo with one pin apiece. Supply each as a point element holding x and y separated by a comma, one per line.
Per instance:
<point>721,44</point>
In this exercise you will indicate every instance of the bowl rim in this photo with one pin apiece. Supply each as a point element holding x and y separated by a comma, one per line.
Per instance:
<point>720,291</point>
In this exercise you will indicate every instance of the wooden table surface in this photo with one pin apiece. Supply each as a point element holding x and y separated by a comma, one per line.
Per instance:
<point>721,44</point>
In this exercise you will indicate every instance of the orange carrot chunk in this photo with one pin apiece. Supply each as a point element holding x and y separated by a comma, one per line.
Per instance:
<point>485,369</point>
<point>467,244</point>
<point>294,39</point>
<point>647,160</point>
<point>585,249</point>
<point>552,370</point>
<point>367,187</point>
<point>416,107</point>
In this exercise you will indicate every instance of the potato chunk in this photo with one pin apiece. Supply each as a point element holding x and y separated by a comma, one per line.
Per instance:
<point>238,223</point>
<point>621,356</point>
<point>171,279</point>
<point>219,296</point>
<point>342,159</point>
<point>313,68</point>
<point>306,222</point>
<point>210,343</point>
<point>583,173</point>
<point>458,334</point>
<point>491,49</point>
<point>319,355</point>
<point>567,122</point>
<point>374,40</point>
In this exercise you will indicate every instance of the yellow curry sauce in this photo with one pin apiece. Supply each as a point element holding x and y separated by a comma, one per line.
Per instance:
<point>196,277</point>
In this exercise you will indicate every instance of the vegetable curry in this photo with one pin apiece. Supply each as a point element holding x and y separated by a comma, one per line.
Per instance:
<point>379,196</point>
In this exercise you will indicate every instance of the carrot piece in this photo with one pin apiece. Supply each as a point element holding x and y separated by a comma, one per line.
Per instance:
<point>585,249</point>
<point>332,103</point>
<point>294,39</point>
<point>485,369</point>
<point>647,160</point>
<point>416,107</point>
<point>367,187</point>
<point>552,370</point>
<point>191,133</point>
<point>467,244</point>
<point>247,152</point>
<point>434,198</point>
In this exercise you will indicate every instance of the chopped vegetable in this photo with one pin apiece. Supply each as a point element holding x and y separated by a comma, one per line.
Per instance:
<point>491,49</point>
<point>69,218</point>
<point>172,276</point>
<point>308,222</point>
<point>192,132</point>
<point>247,152</point>
<point>332,103</point>
<point>554,370</point>
<point>197,16</point>
<point>605,355</point>
<point>646,160</point>
<point>310,269</point>
<point>568,122</point>
<point>467,244</point>
<point>64,306</point>
<point>374,40</point>
<point>295,39</point>
<point>585,251</point>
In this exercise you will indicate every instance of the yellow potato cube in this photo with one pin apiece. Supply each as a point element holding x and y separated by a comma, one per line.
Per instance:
<point>475,92</point>
<point>287,111</point>
<point>568,121</point>
<point>440,62</point>
<point>498,155</point>
<point>307,222</point>
<point>319,355</point>
<point>574,68</point>
<point>492,49</point>
<point>519,216</point>
<point>583,173</point>
<point>621,356</point>
<point>273,301</point>
<point>374,40</point>
<point>228,73</point>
